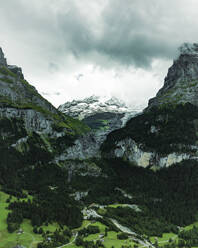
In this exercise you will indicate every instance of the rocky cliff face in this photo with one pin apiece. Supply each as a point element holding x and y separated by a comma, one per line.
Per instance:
<point>19,99</point>
<point>166,132</point>
<point>32,130</point>
<point>181,82</point>
<point>102,115</point>
<point>100,112</point>
<point>2,58</point>
<point>89,106</point>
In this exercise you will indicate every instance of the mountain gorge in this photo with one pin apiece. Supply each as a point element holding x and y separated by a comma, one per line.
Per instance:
<point>98,164</point>
<point>103,116</point>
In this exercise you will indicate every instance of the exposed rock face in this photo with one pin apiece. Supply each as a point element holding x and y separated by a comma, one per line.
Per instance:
<point>166,132</point>
<point>156,138</point>
<point>17,70</point>
<point>85,147</point>
<point>33,120</point>
<point>2,58</point>
<point>32,131</point>
<point>102,116</point>
<point>132,152</point>
<point>19,99</point>
<point>93,105</point>
<point>20,91</point>
<point>181,83</point>
<point>100,113</point>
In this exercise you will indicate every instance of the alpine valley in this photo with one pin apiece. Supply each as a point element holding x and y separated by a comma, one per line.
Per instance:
<point>97,173</point>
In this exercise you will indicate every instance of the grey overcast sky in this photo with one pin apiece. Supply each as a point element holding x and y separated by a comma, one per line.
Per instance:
<point>75,48</point>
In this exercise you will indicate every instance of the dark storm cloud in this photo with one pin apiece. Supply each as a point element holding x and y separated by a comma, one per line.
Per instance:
<point>131,32</point>
<point>125,32</point>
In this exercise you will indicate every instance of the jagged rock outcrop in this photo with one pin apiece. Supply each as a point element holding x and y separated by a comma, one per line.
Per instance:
<point>92,105</point>
<point>181,82</point>
<point>19,99</point>
<point>3,60</point>
<point>166,132</point>
<point>32,131</point>
<point>131,151</point>
<point>102,115</point>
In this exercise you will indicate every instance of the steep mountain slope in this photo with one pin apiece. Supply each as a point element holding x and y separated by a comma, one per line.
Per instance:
<point>92,105</point>
<point>53,175</point>
<point>181,83</point>
<point>166,132</point>
<point>32,130</point>
<point>19,99</point>
<point>102,115</point>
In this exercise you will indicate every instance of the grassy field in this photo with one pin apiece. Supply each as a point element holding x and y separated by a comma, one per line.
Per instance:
<point>191,226</point>
<point>8,240</point>
<point>115,205</point>
<point>166,236</point>
<point>28,238</point>
<point>111,238</point>
<point>164,239</point>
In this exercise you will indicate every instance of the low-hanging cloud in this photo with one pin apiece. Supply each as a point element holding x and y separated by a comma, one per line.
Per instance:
<point>131,32</point>
<point>106,33</point>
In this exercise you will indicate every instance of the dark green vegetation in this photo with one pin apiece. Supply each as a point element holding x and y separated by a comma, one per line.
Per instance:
<point>22,148</point>
<point>143,222</point>
<point>102,121</point>
<point>187,237</point>
<point>89,230</point>
<point>122,236</point>
<point>55,239</point>
<point>169,194</point>
<point>43,194</point>
<point>26,160</point>
<point>175,126</point>
<point>28,168</point>
<point>167,198</point>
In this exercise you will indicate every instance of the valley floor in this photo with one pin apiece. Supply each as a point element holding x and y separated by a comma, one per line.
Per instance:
<point>29,239</point>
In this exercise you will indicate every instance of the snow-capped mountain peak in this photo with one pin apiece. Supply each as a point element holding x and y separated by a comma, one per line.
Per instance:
<point>94,104</point>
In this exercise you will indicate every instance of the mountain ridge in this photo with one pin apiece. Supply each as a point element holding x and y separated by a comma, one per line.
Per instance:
<point>181,83</point>
<point>89,106</point>
<point>166,132</point>
<point>70,182</point>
